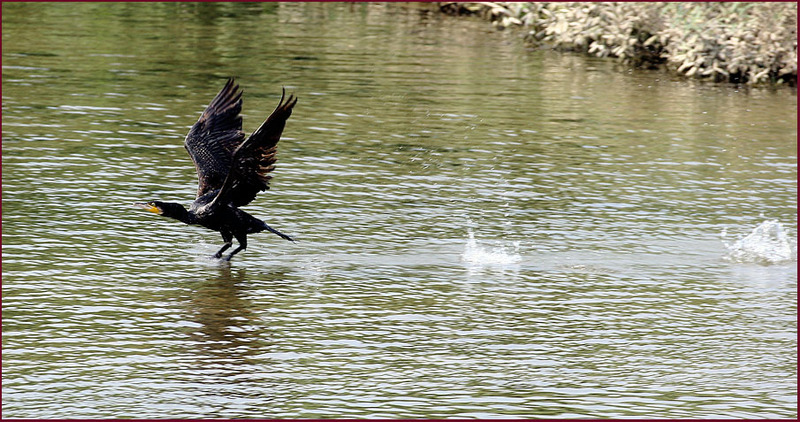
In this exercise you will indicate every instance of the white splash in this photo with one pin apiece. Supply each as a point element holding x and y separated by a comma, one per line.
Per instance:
<point>477,255</point>
<point>767,244</point>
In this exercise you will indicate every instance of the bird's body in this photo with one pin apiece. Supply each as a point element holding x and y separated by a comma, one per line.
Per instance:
<point>231,169</point>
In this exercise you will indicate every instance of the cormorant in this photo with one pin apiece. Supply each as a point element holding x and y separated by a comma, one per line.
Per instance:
<point>231,170</point>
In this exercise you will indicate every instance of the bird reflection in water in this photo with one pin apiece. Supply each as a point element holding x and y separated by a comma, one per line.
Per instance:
<point>228,330</point>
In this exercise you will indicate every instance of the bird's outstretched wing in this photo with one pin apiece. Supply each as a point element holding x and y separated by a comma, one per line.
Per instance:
<point>255,158</point>
<point>212,141</point>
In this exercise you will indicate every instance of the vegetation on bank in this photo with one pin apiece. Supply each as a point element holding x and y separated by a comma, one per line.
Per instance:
<point>739,42</point>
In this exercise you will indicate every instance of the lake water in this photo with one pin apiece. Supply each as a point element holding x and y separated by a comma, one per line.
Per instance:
<point>483,231</point>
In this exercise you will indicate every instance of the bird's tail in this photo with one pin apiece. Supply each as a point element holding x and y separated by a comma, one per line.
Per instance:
<point>287,237</point>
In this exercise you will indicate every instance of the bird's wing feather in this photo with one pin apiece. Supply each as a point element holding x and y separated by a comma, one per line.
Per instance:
<point>255,158</point>
<point>212,141</point>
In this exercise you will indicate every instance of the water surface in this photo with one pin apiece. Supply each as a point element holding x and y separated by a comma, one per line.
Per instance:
<point>483,231</point>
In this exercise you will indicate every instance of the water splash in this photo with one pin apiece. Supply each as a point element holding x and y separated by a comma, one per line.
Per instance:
<point>477,255</point>
<point>767,244</point>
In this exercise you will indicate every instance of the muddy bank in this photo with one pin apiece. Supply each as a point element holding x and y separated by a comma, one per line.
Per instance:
<point>753,43</point>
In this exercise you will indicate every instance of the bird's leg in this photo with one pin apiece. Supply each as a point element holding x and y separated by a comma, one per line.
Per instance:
<point>228,238</point>
<point>223,249</point>
<point>242,239</point>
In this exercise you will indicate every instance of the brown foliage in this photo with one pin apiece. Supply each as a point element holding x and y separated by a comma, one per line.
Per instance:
<point>737,42</point>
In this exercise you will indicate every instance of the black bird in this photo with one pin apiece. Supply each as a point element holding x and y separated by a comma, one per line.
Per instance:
<point>231,170</point>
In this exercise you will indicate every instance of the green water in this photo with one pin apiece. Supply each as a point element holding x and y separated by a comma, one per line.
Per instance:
<point>483,231</point>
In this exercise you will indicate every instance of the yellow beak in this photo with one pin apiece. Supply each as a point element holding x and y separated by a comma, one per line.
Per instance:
<point>149,207</point>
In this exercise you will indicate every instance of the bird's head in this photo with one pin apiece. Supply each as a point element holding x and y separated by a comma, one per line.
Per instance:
<point>167,209</point>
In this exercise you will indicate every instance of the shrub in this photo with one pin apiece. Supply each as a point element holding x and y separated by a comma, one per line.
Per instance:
<point>737,42</point>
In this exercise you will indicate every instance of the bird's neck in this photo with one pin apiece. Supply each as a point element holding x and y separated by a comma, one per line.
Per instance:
<point>182,215</point>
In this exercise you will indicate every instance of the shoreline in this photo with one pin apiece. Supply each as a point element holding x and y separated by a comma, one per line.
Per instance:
<point>741,43</point>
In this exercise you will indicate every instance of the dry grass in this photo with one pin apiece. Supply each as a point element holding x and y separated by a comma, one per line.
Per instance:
<point>739,42</point>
